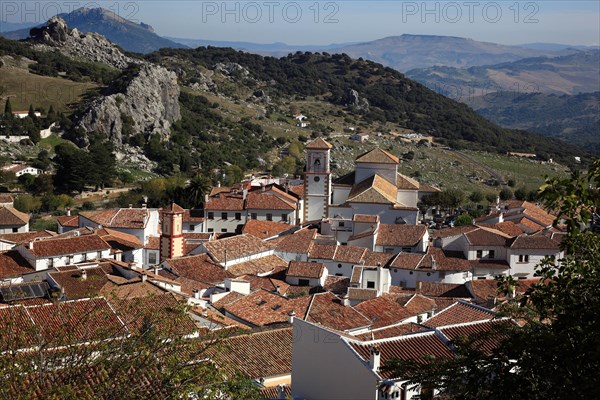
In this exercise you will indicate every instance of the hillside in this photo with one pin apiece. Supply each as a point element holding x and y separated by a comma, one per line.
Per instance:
<point>139,38</point>
<point>408,52</point>
<point>367,90</point>
<point>572,118</point>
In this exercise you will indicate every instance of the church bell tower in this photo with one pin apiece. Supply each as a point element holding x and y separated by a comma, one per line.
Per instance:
<point>317,180</point>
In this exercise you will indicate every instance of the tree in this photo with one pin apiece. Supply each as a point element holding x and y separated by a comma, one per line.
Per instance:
<point>463,220</point>
<point>476,196</point>
<point>197,188</point>
<point>8,107</point>
<point>506,194</point>
<point>27,203</point>
<point>556,354</point>
<point>234,174</point>
<point>102,168</point>
<point>73,167</point>
<point>521,194</point>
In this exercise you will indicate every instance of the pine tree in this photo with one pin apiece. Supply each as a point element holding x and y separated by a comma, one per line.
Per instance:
<point>8,107</point>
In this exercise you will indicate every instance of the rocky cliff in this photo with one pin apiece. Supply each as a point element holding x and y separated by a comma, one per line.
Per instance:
<point>151,100</point>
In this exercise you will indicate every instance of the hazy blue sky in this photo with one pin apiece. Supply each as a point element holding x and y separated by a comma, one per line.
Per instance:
<point>323,22</point>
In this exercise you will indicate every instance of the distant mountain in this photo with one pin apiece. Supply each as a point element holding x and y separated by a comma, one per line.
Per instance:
<point>556,46</point>
<point>13,26</point>
<point>572,118</point>
<point>139,38</point>
<point>266,49</point>
<point>570,74</point>
<point>408,52</point>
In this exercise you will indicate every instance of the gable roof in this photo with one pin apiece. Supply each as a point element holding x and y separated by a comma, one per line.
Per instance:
<point>9,216</point>
<point>225,202</point>
<point>256,355</point>
<point>382,311</point>
<point>263,308</point>
<point>75,286</point>
<point>458,313</point>
<point>260,266</point>
<point>303,269</point>
<point>70,221</point>
<point>533,242</point>
<point>373,189</point>
<point>327,310</point>
<point>377,156</point>
<point>268,201</point>
<point>199,268</point>
<point>400,235</point>
<point>51,247</point>
<point>264,229</point>
<point>23,237</point>
<point>235,247</point>
<point>486,237</point>
<point>300,241</point>
<point>318,144</point>
<point>132,218</point>
<point>404,182</point>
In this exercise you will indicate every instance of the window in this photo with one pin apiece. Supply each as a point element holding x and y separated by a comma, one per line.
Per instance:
<point>338,274</point>
<point>69,260</point>
<point>224,230</point>
<point>317,179</point>
<point>491,254</point>
<point>339,265</point>
<point>15,230</point>
<point>341,224</point>
<point>211,215</point>
<point>481,278</point>
<point>238,216</point>
<point>269,217</point>
<point>99,254</point>
<point>523,258</point>
<point>253,216</point>
<point>224,215</point>
<point>303,282</point>
<point>210,230</point>
<point>407,249</point>
<point>284,217</point>
<point>388,250</point>
<point>479,253</point>
<point>50,262</point>
<point>370,284</point>
<point>317,162</point>
<point>192,226</point>
<point>152,258</point>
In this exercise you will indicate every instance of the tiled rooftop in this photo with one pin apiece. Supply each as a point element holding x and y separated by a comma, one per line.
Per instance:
<point>260,266</point>
<point>377,156</point>
<point>400,235</point>
<point>10,216</point>
<point>460,313</point>
<point>382,311</point>
<point>302,269</point>
<point>72,245</point>
<point>132,218</point>
<point>326,309</point>
<point>264,229</point>
<point>235,247</point>
<point>198,268</point>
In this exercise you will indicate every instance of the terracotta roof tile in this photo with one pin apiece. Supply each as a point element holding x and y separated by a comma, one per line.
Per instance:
<point>486,237</point>
<point>153,243</point>
<point>77,321</point>
<point>256,355</point>
<point>23,237</point>
<point>418,347</point>
<point>435,289</point>
<point>373,258</point>
<point>260,266</point>
<point>12,264</point>
<point>264,229</point>
<point>365,218</point>
<point>198,268</point>
<point>132,218</point>
<point>326,309</point>
<point>227,299</point>
<point>374,189</point>
<point>377,156</point>
<point>76,287</point>
<point>303,269</point>
<point>534,242</point>
<point>349,254</point>
<point>390,331</point>
<point>336,284</point>
<point>235,247</point>
<point>266,283</point>
<point>272,393</point>
<point>404,182</point>
<point>268,201</point>
<point>456,231</point>
<point>459,313</point>
<point>299,242</point>
<point>318,144</point>
<point>263,308</point>
<point>507,227</point>
<point>400,235</point>
<point>119,240</point>
<point>71,245</point>
<point>225,202</point>
<point>9,216</point>
<point>382,311</point>
<point>70,221</point>
<point>487,335</point>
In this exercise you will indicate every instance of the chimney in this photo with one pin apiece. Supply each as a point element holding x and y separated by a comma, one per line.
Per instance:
<point>419,285</point>
<point>281,392</point>
<point>375,359</point>
<point>144,276</point>
<point>145,220</point>
<point>62,293</point>
<point>130,205</point>
<point>31,245</point>
<point>144,205</point>
<point>291,316</point>
<point>277,288</point>
<point>68,211</point>
<point>346,300</point>
<point>156,270</point>
<point>196,293</point>
<point>83,274</point>
<point>218,184</point>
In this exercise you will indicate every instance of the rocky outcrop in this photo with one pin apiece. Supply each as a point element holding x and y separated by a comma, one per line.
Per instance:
<point>354,100</point>
<point>149,105</point>
<point>72,43</point>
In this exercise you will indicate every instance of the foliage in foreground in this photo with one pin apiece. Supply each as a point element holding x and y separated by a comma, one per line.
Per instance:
<point>557,352</point>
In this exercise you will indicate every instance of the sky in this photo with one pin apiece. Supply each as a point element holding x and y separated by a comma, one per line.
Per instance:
<point>325,22</point>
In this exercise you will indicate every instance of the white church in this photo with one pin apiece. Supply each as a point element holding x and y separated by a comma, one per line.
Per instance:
<point>374,188</point>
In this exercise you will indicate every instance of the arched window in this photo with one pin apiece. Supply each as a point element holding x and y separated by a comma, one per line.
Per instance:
<point>317,163</point>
